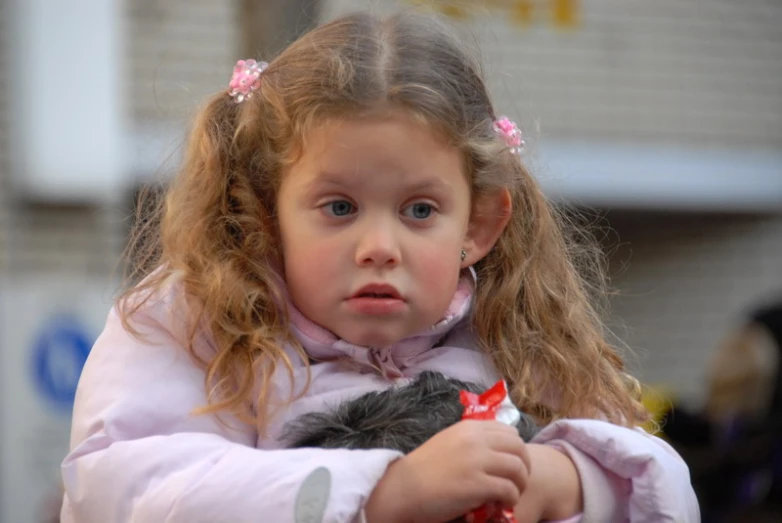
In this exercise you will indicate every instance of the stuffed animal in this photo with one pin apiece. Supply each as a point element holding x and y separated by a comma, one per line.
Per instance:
<point>400,418</point>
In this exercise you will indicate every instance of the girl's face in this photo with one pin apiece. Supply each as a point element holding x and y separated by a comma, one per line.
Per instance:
<point>373,219</point>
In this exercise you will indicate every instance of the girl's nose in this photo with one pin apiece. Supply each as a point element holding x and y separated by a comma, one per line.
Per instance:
<point>378,246</point>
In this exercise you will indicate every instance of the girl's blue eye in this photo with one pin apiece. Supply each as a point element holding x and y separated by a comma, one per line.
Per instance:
<point>340,208</point>
<point>419,211</point>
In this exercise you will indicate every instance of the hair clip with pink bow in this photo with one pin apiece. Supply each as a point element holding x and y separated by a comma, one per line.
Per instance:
<point>246,79</point>
<point>510,133</point>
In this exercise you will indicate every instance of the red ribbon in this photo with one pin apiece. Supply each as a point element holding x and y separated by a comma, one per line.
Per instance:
<point>491,513</point>
<point>484,407</point>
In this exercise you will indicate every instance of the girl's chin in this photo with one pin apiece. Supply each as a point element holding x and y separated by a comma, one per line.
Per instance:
<point>372,339</point>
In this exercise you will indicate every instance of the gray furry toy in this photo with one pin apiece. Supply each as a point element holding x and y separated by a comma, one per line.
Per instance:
<point>399,418</point>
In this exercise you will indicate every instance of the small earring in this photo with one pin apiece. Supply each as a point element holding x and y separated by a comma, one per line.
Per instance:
<point>464,254</point>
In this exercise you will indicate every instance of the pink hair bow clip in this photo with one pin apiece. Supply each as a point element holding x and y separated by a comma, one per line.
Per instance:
<point>511,133</point>
<point>246,79</point>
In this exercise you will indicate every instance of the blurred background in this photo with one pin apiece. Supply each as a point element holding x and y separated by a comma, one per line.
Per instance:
<point>662,119</point>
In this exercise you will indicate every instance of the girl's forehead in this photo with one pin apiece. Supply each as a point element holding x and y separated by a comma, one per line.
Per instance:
<point>382,130</point>
<point>379,118</point>
<point>394,145</point>
<point>399,141</point>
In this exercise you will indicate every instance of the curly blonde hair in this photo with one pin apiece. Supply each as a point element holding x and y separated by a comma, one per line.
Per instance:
<point>216,229</point>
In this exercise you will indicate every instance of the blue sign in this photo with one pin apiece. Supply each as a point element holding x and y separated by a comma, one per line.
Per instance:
<point>58,357</point>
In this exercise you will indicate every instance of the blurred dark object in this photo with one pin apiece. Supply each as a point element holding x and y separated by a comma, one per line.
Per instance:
<point>734,447</point>
<point>400,418</point>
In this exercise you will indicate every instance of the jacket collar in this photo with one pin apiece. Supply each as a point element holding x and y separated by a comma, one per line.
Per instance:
<point>322,345</point>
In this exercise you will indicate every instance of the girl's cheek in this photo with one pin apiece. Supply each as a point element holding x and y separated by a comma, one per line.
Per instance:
<point>437,265</point>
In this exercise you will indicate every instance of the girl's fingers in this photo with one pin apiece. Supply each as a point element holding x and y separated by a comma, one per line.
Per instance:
<point>509,467</point>
<point>502,491</point>
<point>511,443</point>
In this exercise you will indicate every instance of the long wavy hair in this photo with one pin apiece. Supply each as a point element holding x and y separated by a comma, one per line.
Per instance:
<point>540,295</point>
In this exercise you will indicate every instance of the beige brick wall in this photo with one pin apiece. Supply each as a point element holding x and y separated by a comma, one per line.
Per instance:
<point>180,51</point>
<point>4,199</point>
<point>686,72</point>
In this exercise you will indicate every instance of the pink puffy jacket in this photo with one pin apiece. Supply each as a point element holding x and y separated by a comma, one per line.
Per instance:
<point>138,454</point>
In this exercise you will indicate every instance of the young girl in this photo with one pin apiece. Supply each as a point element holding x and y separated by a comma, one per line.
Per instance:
<point>348,216</point>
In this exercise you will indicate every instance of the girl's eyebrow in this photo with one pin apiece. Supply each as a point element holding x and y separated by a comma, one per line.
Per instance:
<point>334,182</point>
<point>433,183</point>
<point>327,179</point>
<point>323,182</point>
<point>331,178</point>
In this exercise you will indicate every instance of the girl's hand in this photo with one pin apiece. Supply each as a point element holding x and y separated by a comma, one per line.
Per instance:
<point>459,469</point>
<point>554,490</point>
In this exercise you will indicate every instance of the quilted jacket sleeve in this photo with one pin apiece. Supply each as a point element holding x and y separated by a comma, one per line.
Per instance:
<point>626,474</point>
<point>138,454</point>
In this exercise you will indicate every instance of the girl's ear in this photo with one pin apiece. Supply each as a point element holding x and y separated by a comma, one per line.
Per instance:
<point>490,215</point>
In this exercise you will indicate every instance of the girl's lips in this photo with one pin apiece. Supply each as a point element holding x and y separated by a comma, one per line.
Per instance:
<point>375,305</point>
<point>377,290</point>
